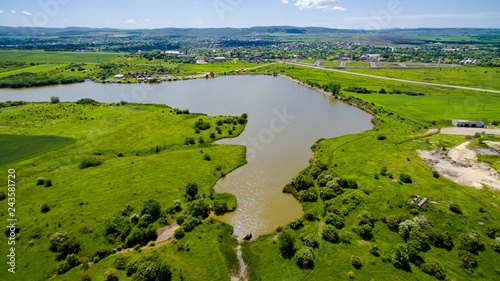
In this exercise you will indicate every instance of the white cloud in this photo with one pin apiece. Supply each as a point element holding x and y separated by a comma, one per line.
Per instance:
<point>317,4</point>
<point>130,21</point>
<point>26,13</point>
<point>12,12</point>
<point>1,11</point>
<point>144,20</point>
<point>430,16</point>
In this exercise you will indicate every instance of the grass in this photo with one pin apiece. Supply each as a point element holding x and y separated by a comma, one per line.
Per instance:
<point>207,244</point>
<point>56,57</point>
<point>92,196</point>
<point>479,77</point>
<point>331,63</point>
<point>190,69</point>
<point>33,69</point>
<point>16,147</point>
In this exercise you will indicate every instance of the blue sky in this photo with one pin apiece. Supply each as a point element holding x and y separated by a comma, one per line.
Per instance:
<point>359,14</point>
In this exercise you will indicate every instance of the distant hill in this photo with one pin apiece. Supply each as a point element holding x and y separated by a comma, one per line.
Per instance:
<point>228,32</point>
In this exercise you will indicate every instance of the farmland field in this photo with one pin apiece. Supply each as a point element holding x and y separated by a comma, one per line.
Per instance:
<point>16,148</point>
<point>56,57</point>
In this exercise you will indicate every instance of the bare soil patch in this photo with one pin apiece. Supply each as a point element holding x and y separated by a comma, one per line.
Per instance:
<point>461,166</point>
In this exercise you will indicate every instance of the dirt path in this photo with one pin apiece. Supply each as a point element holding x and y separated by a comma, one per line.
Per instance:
<point>166,233</point>
<point>468,131</point>
<point>462,167</point>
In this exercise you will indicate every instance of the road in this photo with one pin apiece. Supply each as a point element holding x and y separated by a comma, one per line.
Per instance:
<point>401,80</point>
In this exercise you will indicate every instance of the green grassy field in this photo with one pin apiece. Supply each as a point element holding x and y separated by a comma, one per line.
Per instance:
<point>56,57</point>
<point>331,63</point>
<point>16,148</point>
<point>190,69</point>
<point>144,156</point>
<point>480,77</point>
<point>33,69</point>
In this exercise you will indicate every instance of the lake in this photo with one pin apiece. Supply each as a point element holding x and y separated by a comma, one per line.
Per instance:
<point>285,119</point>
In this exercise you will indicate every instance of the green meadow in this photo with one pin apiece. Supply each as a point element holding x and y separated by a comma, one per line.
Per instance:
<point>480,77</point>
<point>41,68</point>
<point>144,152</point>
<point>56,57</point>
<point>16,147</point>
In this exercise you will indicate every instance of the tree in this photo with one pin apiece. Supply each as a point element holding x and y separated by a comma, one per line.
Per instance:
<point>54,99</point>
<point>405,178</point>
<point>220,206</point>
<point>179,233</point>
<point>495,244</point>
<point>493,231</point>
<point>296,223</point>
<point>147,271</point>
<point>152,208</point>
<point>191,191</point>
<point>335,220</point>
<point>467,260</point>
<point>305,257</point>
<point>286,244</point>
<point>330,234</point>
<point>356,261</point>
<point>455,208</point>
<point>199,208</point>
<point>366,218</point>
<point>432,267</point>
<point>309,240</point>
<point>470,242</point>
<point>333,88</point>
<point>400,258</point>
<point>164,272</point>
<point>303,180</point>
<point>56,239</point>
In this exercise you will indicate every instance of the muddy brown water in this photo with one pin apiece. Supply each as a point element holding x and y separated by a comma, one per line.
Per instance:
<point>285,119</point>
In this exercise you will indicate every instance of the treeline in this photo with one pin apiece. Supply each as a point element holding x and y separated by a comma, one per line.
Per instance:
<point>12,103</point>
<point>361,90</point>
<point>36,80</point>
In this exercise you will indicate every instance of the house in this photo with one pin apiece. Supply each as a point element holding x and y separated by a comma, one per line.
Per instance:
<point>119,76</point>
<point>467,123</point>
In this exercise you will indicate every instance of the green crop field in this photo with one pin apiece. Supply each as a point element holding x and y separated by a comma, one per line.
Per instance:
<point>33,69</point>
<point>143,152</point>
<point>480,77</point>
<point>16,147</point>
<point>190,69</point>
<point>56,57</point>
<point>331,63</point>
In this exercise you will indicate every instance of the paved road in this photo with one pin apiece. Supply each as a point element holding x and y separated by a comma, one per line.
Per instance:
<point>400,80</point>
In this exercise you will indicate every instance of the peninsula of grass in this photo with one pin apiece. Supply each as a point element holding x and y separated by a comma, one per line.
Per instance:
<point>147,155</point>
<point>356,177</point>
